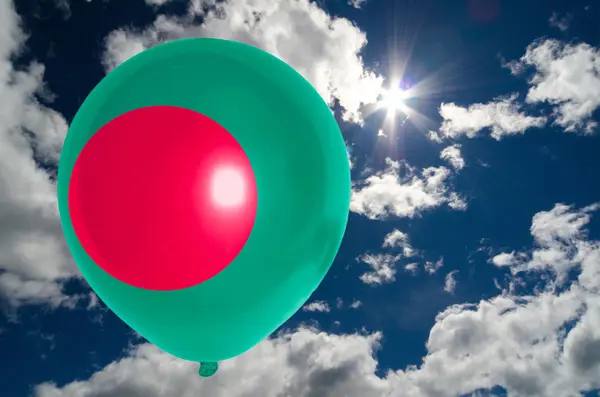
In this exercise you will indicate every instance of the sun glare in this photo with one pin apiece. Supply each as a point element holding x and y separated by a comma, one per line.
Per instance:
<point>393,100</point>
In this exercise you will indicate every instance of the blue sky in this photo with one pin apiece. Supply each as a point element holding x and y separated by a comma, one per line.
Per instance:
<point>471,261</point>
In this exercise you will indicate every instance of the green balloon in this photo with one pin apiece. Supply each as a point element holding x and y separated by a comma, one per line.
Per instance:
<point>302,176</point>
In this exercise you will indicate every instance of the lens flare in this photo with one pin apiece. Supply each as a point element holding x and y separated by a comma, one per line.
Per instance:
<point>393,100</point>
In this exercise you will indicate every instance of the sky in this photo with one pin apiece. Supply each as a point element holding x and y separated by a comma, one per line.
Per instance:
<point>471,260</point>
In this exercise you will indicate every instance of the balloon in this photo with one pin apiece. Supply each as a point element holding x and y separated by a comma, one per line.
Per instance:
<point>203,191</point>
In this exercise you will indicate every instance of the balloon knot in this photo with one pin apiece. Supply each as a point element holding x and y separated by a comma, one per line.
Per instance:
<point>208,369</point>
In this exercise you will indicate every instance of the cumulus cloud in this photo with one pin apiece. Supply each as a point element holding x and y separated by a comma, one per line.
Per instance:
<point>434,136</point>
<point>506,259</point>
<point>398,239</point>
<point>560,246</point>
<point>317,306</point>
<point>412,268</point>
<point>355,304</point>
<point>502,117</point>
<point>453,156</point>
<point>383,268</point>
<point>432,267</point>
<point>566,76</point>
<point>34,259</point>
<point>357,3</point>
<point>542,345</point>
<point>386,193</point>
<point>516,343</point>
<point>302,363</point>
<point>562,340</point>
<point>324,49</point>
<point>450,282</point>
<point>384,265</point>
<point>457,202</point>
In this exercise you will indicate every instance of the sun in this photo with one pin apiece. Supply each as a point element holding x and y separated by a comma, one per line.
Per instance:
<point>393,100</point>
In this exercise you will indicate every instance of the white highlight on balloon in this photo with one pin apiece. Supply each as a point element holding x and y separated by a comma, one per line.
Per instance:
<point>228,187</point>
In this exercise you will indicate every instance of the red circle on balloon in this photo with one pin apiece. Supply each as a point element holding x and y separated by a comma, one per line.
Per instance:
<point>162,198</point>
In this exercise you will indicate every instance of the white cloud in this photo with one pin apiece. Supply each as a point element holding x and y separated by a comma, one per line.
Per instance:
<point>412,268</point>
<point>325,50</point>
<point>560,22</point>
<point>356,304</point>
<point>540,356</point>
<point>357,3</point>
<point>386,194</point>
<point>457,202</point>
<point>384,265</point>
<point>453,155</point>
<point>502,116</point>
<point>383,268</point>
<point>303,363</point>
<point>157,2</point>
<point>434,137</point>
<point>398,239</point>
<point>395,238</point>
<point>560,245</point>
<point>506,259</point>
<point>34,259</point>
<point>560,223</point>
<point>432,267</point>
<point>543,345</point>
<point>317,306</point>
<point>566,76</point>
<point>450,282</point>
<point>517,343</point>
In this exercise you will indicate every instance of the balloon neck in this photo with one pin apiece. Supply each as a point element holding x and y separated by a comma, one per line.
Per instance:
<point>208,368</point>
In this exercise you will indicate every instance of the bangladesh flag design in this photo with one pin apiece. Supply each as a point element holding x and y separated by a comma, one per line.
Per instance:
<point>203,191</point>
